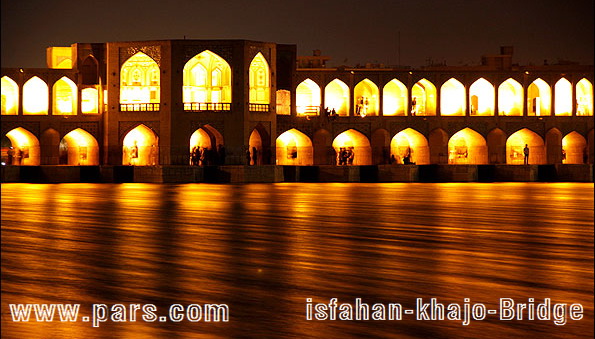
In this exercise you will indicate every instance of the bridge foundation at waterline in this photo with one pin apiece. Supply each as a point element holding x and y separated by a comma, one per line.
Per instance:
<point>323,173</point>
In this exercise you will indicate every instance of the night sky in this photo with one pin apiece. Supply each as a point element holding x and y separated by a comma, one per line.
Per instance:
<point>350,32</point>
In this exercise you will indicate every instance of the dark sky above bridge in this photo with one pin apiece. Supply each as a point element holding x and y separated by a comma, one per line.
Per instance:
<point>350,31</point>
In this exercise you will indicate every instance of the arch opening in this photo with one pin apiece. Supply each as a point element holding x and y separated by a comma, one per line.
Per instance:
<point>307,97</point>
<point>140,147</point>
<point>259,80</point>
<point>574,149</point>
<point>423,98</point>
<point>79,147</point>
<point>336,97</point>
<point>481,98</point>
<point>35,97</point>
<point>510,98</point>
<point>467,147</point>
<point>515,145</point>
<point>452,98</point>
<point>140,84</point>
<point>409,147</point>
<point>89,100</point>
<point>584,98</point>
<point>65,97</point>
<point>206,83</point>
<point>366,101</point>
<point>563,98</point>
<point>394,98</point>
<point>352,148</point>
<point>10,96</point>
<point>539,98</point>
<point>23,149</point>
<point>294,148</point>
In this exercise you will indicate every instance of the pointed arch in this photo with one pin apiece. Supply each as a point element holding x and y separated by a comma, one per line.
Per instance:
<point>409,146</point>
<point>90,71</point>
<point>336,97</point>
<point>259,80</point>
<point>357,144</point>
<point>539,98</point>
<point>64,97</point>
<point>394,98</point>
<point>481,98</point>
<point>307,98</point>
<point>259,146</point>
<point>510,98</point>
<point>24,149</point>
<point>452,98</point>
<point>140,84</point>
<point>467,147</point>
<point>423,98</point>
<point>584,97</point>
<point>366,98</point>
<point>516,143</point>
<point>563,98</point>
<point>81,148</point>
<point>10,96</point>
<point>294,148</point>
<point>140,147</point>
<point>496,146</point>
<point>206,83</point>
<point>574,148</point>
<point>35,97</point>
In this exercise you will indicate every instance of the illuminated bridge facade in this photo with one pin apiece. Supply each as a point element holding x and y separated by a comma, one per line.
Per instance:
<point>156,102</point>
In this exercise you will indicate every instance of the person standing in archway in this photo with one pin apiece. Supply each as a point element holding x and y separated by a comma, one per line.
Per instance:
<point>526,153</point>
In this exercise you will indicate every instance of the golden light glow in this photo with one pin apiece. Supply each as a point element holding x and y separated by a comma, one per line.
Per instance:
<point>467,147</point>
<point>584,97</point>
<point>336,97</point>
<point>410,142</point>
<point>139,80</point>
<point>35,96</point>
<point>82,148</point>
<point>255,143</point>
<point>563,97</point>
<point>283,102</point>
<point>482,98</point>
<point>294,148</point>
<point>452,98</point>
<point>207,79</point>
<point>365,99</point>
<point>59,57</point>
<point>307,97</point>
<point>515,145</point>
<point>394,96</point>
<point>64,100</point>
<point>140,147</point>
<point>423,98</point>
<point>574,149</point>
<point>539,98</point>
<point>200,138</point>
<point>10,96</point>
<point>510,98</point>
<point>360,144</point>
<point>259,80</point>
<point>89,100</point>
<point>25,147</point>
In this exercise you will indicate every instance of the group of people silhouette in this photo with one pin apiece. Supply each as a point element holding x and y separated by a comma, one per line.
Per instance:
<point>345,156</point>
<point>206,156</point>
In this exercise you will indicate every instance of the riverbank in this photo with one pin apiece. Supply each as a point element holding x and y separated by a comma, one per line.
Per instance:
<point>323,173</point>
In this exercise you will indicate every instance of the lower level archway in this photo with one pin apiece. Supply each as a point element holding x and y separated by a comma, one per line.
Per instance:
<point>409,147</point>
<point>80,148</point>
<point>294,148</point>
<point>23,149</point>
<point>467,147</point>
<point>515,148</point>
<point>352,148</point>
<point>140,147</point>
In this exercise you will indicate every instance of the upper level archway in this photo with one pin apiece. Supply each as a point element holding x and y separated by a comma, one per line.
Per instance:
<point>452,98</point>
<point>206,82</point>
<point>539,98</point>
<point>89,100</point>
<point>510,98</point>
<point>10,96</point>
<point>35,97</point>
<point>65,97</point>
<point>259,80</point>
<point>584,97</point>
<point>394,98</point>
<point>307,98</point>
<point>366,98</point>
<point>336,97</point>
<point>140,83</point>
<point>481,98</point>
<point>423,98</point>
<point>563,98</point>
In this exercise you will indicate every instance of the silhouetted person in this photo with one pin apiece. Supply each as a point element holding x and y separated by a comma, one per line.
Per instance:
<point>248,157</point>
<point>254,155</point>
<point>526,153</point>
<point>350,155</point>
<point>392,159</point>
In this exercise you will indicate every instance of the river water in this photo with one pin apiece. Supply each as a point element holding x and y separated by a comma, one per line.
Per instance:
<point>270,251</point>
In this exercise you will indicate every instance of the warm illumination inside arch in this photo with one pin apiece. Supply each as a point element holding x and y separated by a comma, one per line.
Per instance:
<point>423,98</point>
<point>140,147</point>
<point>65,97</point>
<point>563,97</point>
<point>336,97</point>
<point>584,97</point>
<point>452,98</point>
<point>539,98</point>
<point>24,149</point>
<point>510,98</point>
<point>394,98</point>
<point>35,96</point>
<point>355,142</point>
<point>409,146</point>
<point>307,97</point>
<point>574,149</point>
<point>467,147</point>
<point>139,80</point>
<point>81,148</point>
<point>481,98</point>
<point>259,80</point>
<point>515,145</point>
<point>89,100</point>
<point>294,148</point>
<point>207,79</point>
<point>283,102</point>
<point>10,96</point>
<point>255,148</point>
<point>366,101</point>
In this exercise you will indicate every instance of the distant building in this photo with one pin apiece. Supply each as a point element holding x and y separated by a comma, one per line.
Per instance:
<point>164,102</point>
